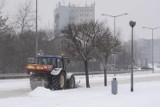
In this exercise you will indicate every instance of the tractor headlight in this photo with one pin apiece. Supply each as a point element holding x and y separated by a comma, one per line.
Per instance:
<point>30,67</point>
<point>40,67</point>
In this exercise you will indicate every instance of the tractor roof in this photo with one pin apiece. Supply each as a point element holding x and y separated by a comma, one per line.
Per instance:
<point>49,56</point>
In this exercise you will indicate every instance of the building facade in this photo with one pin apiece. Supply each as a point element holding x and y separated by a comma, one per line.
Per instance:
<point>141,62</point>
<point>63,15</point>
<point>145,49</point>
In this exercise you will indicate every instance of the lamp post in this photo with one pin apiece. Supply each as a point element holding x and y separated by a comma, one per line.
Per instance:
<point>152,29</point>
<point>114,17</point>
<point>132,24</point>
<point>36,28</point>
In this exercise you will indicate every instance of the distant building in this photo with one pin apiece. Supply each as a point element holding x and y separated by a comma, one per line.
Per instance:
<point>145,49</point>
<point>143,62</point>
<point>64,15</point>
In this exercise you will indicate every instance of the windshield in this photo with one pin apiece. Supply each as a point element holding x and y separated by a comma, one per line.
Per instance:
<point>46,61</point>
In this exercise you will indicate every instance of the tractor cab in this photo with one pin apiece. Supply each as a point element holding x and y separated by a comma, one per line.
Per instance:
<point>55,61</point>
<point>46,63</point>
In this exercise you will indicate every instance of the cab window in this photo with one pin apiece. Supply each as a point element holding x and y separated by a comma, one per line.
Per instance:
<point>59,63</point>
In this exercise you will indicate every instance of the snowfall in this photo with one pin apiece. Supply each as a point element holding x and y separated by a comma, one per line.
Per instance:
<point>17,93</point>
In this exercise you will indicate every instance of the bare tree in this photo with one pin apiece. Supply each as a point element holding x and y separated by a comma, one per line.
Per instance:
<point>49,29</point>
<point>106,45</point>
<point>24,19</point>
<point>3,25</point>
<point>81,40</point>
<point>2,4</point>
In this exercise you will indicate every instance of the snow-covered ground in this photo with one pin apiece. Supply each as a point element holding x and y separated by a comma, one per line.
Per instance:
<point>17,93</point>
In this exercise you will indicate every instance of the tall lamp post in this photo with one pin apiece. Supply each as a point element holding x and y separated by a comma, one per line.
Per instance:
<point>152,29</point>
<point>36,28</point>
<point>132,24</point>
<point>114,17</point>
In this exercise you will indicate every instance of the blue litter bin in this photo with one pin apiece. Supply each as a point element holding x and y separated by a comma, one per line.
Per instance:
<point>114,86</point>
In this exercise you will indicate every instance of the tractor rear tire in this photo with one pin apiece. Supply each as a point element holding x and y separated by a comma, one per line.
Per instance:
<point>71,82</point>
<point>58,82</point>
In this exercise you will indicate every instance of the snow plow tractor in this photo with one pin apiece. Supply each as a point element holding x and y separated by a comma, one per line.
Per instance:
<point>50,72</point>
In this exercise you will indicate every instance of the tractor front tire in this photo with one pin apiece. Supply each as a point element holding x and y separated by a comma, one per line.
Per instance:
<point>58,82</point>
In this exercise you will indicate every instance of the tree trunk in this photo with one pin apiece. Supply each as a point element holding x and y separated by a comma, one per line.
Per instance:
<point>105,69</point>
<point>105,76</point>
<point>86,73</point>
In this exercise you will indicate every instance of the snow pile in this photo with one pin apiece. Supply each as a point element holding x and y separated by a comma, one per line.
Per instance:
<point>38,92</point>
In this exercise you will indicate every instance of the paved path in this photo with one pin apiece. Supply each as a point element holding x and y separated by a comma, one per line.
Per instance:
<point>14,93</point>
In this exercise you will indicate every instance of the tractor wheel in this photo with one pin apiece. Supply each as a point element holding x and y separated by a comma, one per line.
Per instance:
<point>33,81</point>
<point>71,82</point>
<point>58,82</point>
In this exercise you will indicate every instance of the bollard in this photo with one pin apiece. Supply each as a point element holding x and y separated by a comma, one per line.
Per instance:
<point>114,86</point>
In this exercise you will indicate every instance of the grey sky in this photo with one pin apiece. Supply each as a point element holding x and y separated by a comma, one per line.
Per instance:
<point>144,12</point>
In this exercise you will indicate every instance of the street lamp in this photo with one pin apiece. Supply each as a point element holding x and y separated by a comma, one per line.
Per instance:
<point>132,24</point>
<point>36,28</point>
<point>152,45</point>
<point>114,17</point>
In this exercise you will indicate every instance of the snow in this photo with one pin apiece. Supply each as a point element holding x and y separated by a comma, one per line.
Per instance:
<point>13,84</point>
<point>146,94</point>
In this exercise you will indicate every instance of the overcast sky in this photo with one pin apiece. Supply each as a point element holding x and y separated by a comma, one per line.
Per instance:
<point>144,12</point>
